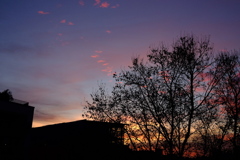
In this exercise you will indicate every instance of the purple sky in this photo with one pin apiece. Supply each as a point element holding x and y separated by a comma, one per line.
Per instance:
<point>54,53</point>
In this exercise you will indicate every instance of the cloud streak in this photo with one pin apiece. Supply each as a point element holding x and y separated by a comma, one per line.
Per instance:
<point>97,51</point>
<point>97,2</point>
<point>63,21</point>
<point>100,61</point>
<point>81,3</point>
<point>104,5</point>
<point>95,56</point>
<point>70,23</point>
<point>108,70</point>
<point>42,12</point>
<point>116,6</point>
<point>105,64</point>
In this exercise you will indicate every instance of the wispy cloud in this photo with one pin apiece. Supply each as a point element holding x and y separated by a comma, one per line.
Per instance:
<point>108,31</point>
<point>104,5</point>
<point>95,56</point>
<point>81,3</point>
<point>100,61</point>
<point>108,70</point>
<point>43,116</point>
<point>97,51</point>
<point>70,23</point>
<point>97,2</point>
<point>63,21</point>
<point>105,64</point>
<point>116,6</point>
<point>42,12</point>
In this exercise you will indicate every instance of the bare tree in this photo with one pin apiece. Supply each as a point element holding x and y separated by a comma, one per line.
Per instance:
<point>228,92</point>
<point>211,134</point>
<point>189,65</point>
<point>162,99</point>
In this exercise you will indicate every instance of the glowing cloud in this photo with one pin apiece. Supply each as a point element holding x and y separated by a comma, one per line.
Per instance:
<point>70,23</point>
<point>42,12</point>
<point>108,31</point>
<point>95,56</point>
<point>81,2</point>
<point>97,2</point>
<point>98,51</point>
<point>63,21</point>
<point>104,5</point>
<point>100,61</point>
<point>105,64</point>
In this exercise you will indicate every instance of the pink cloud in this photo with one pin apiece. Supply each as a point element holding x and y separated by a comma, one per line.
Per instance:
<point>105,64</point>
<point>63,21</point>
<point>70,23</point>
<point>81,2</point>
<point>95,56</point>
<point>98,51</point>
<point>116,6</point>
<point>97,2</point>
<point>60,34</point>
<point>100,61</point>
<point>108,70</point>
<point>104,5</point>
<point>42,12</point>
<point>108,31</point>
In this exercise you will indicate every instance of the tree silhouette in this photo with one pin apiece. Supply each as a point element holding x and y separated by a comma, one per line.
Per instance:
<point>228,92</point>
<point>167,100</point>
<point>189,86</point>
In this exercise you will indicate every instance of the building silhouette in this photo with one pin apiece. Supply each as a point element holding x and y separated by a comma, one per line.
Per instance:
<point>82,139</point>
<point>78,139</point>
<point>15,122</point>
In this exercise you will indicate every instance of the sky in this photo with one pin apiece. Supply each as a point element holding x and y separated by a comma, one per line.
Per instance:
<point>54,53</point>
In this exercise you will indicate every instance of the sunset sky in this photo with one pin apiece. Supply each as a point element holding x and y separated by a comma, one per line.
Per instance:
<point>54,53</point>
